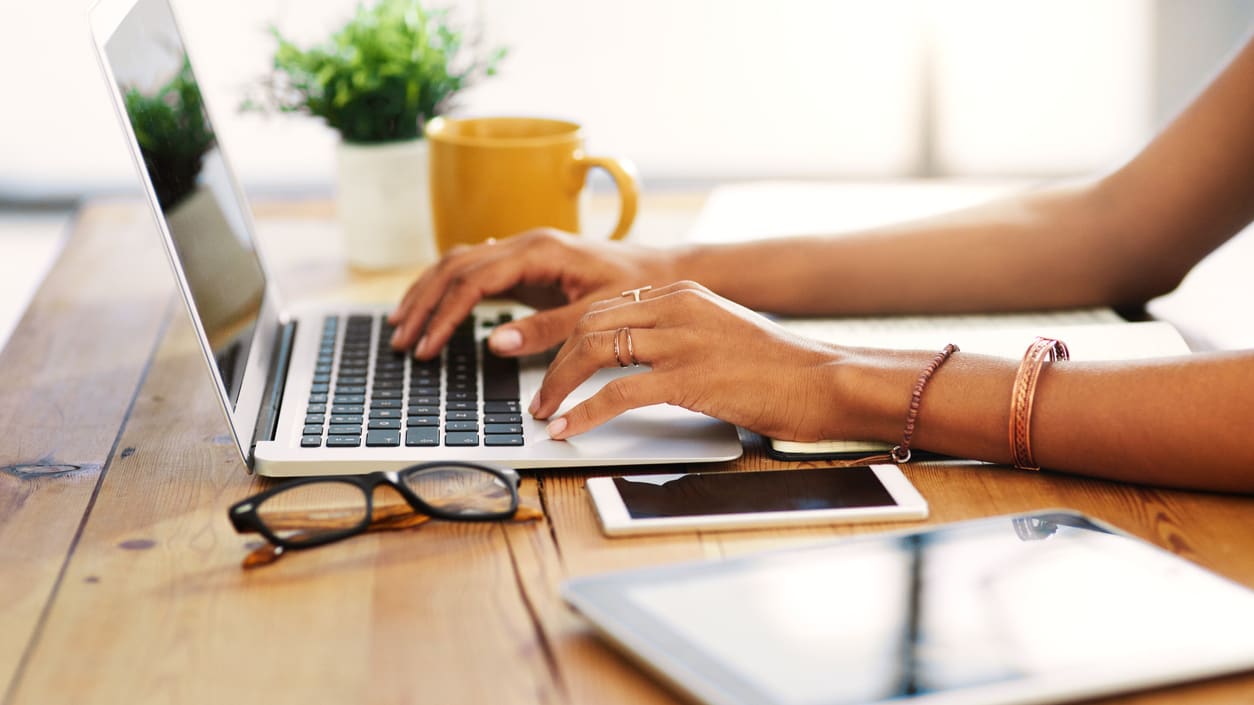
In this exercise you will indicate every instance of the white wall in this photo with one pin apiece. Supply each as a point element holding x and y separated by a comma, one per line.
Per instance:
<point>689,89</point>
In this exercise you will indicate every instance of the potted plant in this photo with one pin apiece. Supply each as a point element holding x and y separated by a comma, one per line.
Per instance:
<point>376,81</point>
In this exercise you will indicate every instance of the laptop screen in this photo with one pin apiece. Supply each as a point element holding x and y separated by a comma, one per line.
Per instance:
<point>196,195</point>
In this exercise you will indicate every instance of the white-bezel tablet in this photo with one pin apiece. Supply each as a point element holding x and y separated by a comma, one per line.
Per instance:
<point>1040,608</point>
<point>899,501</point>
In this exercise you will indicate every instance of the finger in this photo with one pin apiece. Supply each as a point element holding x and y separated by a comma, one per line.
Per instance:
<point>592,352</point>
<point>619,395</point>
<point>646,292</point>
<point>471,285</point>
<point>648,313</point>
<point>410,316</point>
<point>537,332</point>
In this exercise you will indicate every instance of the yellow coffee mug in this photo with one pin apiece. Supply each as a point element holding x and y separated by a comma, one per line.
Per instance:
<point>496,176</point>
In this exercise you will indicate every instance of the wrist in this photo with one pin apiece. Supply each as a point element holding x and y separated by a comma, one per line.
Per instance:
<point>871,393</point>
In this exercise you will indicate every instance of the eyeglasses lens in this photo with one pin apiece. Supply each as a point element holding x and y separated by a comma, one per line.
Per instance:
<point>461,490</point>
<point>305,513</point>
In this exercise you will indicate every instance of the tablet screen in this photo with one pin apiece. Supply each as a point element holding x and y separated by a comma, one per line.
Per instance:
<point>1003,610</point>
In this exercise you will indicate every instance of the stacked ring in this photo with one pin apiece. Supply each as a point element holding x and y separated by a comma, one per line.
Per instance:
<point>631,348</point>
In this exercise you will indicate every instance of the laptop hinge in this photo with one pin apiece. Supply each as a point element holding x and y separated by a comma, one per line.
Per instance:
<point>276,380</point>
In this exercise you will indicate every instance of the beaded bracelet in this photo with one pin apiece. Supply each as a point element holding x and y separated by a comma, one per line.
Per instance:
<point>901,453</point>
<point>1024,393</point>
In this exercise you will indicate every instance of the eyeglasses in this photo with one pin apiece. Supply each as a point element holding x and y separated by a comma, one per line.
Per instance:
<point>315,511</point>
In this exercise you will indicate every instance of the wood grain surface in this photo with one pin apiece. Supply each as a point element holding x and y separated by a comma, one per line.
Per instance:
<point>121,573</point>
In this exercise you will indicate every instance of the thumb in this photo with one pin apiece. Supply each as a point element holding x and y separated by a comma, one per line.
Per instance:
<point>537,332</point>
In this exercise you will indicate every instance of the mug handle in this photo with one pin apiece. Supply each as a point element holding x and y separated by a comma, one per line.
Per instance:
<point>624,174</point>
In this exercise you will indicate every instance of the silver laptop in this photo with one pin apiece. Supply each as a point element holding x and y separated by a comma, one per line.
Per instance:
<point>317,390</point>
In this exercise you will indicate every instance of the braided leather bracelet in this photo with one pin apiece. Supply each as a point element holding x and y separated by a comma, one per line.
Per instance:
<point>1024,393</point>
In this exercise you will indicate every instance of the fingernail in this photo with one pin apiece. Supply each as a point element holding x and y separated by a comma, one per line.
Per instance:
<point>421,347</point>
<point>535,403</point>
<point>396,337</point>
<point>556,427</point>
<point>505,339</point>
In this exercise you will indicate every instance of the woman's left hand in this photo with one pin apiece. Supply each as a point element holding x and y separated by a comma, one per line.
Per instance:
<point>705,354</point>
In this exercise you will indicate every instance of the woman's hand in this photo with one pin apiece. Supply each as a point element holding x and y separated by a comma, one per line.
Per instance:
<point>544,268</point>
<point>706,354</point>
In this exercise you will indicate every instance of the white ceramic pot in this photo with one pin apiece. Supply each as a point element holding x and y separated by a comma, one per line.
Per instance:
<point>384,204</point>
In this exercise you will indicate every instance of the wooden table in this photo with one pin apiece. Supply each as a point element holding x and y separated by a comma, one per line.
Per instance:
<point>120,576</point>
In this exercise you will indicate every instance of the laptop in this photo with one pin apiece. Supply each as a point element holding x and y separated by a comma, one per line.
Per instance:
<point>317,390</point>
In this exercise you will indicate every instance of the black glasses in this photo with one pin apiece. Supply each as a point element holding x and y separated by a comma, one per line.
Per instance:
<point>316,511</point>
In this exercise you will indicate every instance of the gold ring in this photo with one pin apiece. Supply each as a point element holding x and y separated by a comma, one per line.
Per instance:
<point>631,349</point>
<point>617,356</point>
<point>635,293</point>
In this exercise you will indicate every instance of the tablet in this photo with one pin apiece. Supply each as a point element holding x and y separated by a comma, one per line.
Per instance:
<point>643,504</point>
<point>1036,608</point>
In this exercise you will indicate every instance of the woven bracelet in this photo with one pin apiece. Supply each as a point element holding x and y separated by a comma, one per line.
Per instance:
<point>1024,394</point>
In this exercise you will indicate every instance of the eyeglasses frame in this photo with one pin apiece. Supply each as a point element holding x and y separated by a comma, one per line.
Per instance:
<point>244,518</point>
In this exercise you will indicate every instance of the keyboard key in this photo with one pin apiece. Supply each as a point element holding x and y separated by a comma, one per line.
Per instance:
<point>319,388</point>
<point>346,409</point>
<point>425,401</point>
<point>462,406</point>
<point>428,436</point>
<point>461,439</point>
<point>350,399</point>
<point>503,440</point>
<point>385,413</point>
<point>351,379</point>
<point>350,389</point>
<point>424,411</point>
<point>423,421</point>
<point>343,441</point>
<point>493,429</point>
<point>461,396</point>
<point>318,398</point>
<point>462,416</point>
<point>344,430</point>
<point>346,419</point>
<point>312,430</point>
<point>321,377</point>
<point>316,409</point>
<point>313,419</point>
<point>502,418</point>
<point>387,394</point>
<point>501,407</point>
<point>385,403</point>
<point>375,439</point>
<point>384,423</point>
<point>500,376</point>
<point>424,391</point>
<point>311,441</point>
<point>461,426</point>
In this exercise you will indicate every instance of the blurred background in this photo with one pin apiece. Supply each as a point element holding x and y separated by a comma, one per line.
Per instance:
<point>696,92</point>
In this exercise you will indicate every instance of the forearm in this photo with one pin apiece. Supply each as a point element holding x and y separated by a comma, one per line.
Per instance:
<point>1173,422</point>
<point>1037,250</point>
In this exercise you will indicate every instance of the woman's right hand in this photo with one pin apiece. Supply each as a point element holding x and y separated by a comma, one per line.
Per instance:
<point>557,272</point>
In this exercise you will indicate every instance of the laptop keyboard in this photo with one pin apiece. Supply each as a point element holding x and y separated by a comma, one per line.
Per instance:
<point>364,392</point>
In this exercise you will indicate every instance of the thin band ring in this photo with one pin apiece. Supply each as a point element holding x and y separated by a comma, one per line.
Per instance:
<point>635,293</point>
<point>631,349</point>
<point>617,356</point>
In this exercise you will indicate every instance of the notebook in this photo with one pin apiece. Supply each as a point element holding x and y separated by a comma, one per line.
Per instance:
<point>1039,608</point>
<point>317,390</point>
